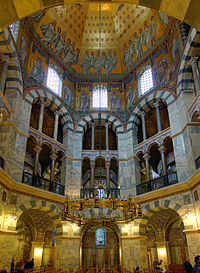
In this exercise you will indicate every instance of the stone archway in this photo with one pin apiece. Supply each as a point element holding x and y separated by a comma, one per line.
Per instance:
<point>100,247</point>
<point>164,231</point>
<point>36,228</point>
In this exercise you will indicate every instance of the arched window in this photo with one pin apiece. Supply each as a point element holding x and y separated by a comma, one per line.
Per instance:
<point>100,237</point>
<point>54,79</point>
<point>100,96</point>
<point>145,82</point>
<point>14,28</point>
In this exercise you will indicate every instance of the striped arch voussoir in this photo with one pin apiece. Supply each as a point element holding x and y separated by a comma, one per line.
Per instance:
<point>39,94</point>
<point>165,95</point>
<point>150,209</point>
<point>185,77</point>
<point>52,210</point>
<point>88,118</point>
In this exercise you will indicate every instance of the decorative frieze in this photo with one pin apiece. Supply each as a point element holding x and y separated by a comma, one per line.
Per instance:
<point>40,138</point>
<point>92,155</point>
<point>158,138</point>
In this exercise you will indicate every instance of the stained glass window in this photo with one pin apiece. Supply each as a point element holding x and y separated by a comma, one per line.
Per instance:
<point>14,28</point>
<point>54,79</point>
<point>100,235</point>
<point>146,81</point>
<point>100,96</point>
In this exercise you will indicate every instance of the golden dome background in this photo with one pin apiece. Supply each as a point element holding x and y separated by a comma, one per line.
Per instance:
<point>119,22</point>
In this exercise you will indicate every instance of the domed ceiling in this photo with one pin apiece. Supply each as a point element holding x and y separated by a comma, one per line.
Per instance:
<point>127,33</point>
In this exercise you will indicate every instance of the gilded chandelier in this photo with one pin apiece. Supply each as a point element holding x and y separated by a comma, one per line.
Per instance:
<point>122,211</point>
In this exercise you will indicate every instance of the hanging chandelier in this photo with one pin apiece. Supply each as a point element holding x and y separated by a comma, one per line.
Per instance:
<point>122,211</point>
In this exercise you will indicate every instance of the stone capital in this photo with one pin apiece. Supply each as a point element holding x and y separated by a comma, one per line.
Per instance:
<point>142,114</point>
<point>5,58</point>
<point>106,124</point>
<point>92,164</point>
<point>37,148</point>
<point>193,60</point>
<point>107,164</point>
<point>56,113</point>
<point>161,148</point>
<point>156,103</point>
<point>146,156</point>
<point>53,156</point>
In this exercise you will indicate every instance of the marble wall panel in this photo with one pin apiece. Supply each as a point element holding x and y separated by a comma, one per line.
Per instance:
<point>67,254</point>
<point>134,253</point>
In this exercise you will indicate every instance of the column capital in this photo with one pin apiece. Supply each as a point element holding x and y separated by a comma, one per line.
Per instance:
<point>143,114</point>
<point>56,113</point>
<point>146,155</point>
<point>53,156</point>
<point>193,60</point>
<point>161,148</point>
<point>93,124</point>
<point>42,102</point>
<point>106,124</point>
<point>5,58</point>
<point>92,164</point>
<point>38,148</point>
<point>107,164</point>
<point>156,103</point>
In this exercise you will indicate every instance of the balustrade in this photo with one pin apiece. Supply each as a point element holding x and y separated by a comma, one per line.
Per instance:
<point>158,183</point>
<point>103,193</point>
<point>42,183</point>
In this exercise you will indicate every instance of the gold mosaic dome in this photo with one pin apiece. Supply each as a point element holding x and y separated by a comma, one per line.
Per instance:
<point>124,32</point>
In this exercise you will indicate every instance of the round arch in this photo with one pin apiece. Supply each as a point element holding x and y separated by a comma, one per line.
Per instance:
<point>53,211</point>
<point>149,209</point>
<point>165,95</point>
<point>82,123</point>
<point>38,94</point>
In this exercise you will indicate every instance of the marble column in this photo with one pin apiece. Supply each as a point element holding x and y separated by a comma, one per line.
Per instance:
<point>53,158</point>
<point>37,149</point>
<point>158,116</point>
<point>162,149</point>
<point>5,60</point>
<point>107,137</point>
<point>92,165</point>
<point>41,117</point>
<point>55,134</point>
<point>144,126</point>
<point>146,157</point>
<point>108,174</point>
<point>193,63</point>
<point>92,144</point>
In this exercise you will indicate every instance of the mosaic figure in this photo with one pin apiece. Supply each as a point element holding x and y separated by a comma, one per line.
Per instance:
<point>115,102</point>
<point>72,55</point>
<point>49,32</point>
<point>86,63</point>
<point>128,55</point>
<point>38,16</point>
<point>110,63</point>
<point>130,96</point>
<point>84,103</point>
<point>164,18</point>
<point>37,71</point>
<point>69,98</point>
<point>96,62</point>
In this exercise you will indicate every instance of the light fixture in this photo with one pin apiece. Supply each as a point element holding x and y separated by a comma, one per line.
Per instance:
<point>123,211</point>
